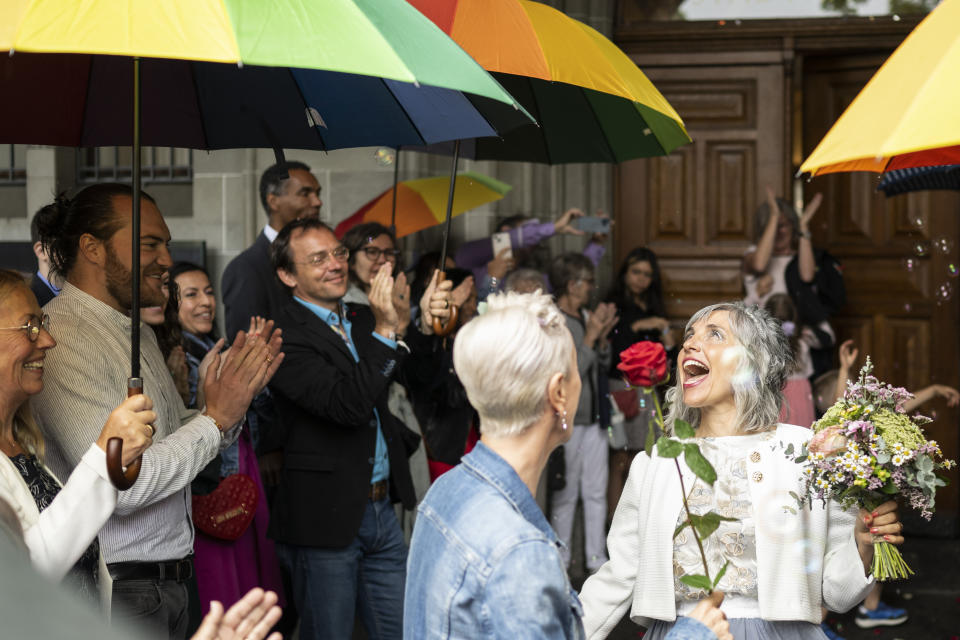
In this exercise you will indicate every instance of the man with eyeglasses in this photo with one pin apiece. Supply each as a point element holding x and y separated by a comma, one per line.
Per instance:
<point>288,191</point>
<point>345,457</point>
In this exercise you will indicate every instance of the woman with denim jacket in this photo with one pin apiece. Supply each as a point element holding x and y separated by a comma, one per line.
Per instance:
<point>783,561</point>
<point>484,562</point>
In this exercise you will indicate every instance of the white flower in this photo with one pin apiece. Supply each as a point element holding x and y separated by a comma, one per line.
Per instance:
<point>898,460</point>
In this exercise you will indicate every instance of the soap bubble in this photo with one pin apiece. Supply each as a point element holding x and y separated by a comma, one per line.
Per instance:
<point>385,156</point>
<point>943,244</point>
<point>921,248</point>
<point>910,264</point>
<point>917,221</point>
<point>953,270</point>
<point>943,293</point>
<point>907,307</point>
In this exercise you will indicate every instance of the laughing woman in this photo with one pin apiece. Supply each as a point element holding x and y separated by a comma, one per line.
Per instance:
<point>731,372</point>
<point>225,568</point>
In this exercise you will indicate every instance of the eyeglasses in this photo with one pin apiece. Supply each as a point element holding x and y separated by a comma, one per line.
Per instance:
<point>341,253</point>
<point>374,253</point>
<point>33,327</point>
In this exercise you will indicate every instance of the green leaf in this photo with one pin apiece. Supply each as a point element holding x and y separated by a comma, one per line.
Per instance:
<point>697,582</point>
<point>698,464</point>
<point>716,580</point>
<point>789,450</point>
<point>889,488</point>
<point>668,447</point>
<point>683,525</point>
<point>682,429</point>
<point>708,523</point>
<point>800,459</point>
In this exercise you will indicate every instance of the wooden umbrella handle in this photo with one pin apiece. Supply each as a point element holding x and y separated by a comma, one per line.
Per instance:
<point>439,327</point>
<point>121,479</point>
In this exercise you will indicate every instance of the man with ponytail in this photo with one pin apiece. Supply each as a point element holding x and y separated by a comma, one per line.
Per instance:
<point>148,541</point>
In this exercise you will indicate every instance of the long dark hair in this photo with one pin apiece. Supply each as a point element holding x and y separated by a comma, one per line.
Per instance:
<point>652,297</point>
<point>172,313</point>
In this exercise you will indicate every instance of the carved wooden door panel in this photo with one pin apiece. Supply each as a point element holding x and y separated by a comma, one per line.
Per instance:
<point>694,208</point>
<point>902,306</point>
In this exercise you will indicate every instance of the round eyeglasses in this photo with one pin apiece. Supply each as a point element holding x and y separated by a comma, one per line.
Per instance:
<point>33,327</point>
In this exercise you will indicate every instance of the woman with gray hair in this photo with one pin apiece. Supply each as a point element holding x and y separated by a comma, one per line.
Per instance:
<point>483,561</point>
<point>783,561</point>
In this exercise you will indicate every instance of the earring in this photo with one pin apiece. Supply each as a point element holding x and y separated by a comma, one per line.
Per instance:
<point>563,421</point>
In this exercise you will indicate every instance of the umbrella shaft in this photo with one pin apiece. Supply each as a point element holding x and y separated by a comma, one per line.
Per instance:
<point>135,230</point>
<point>446,230</point>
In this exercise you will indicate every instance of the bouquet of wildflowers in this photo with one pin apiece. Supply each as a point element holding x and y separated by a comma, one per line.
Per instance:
<point>865,450</point>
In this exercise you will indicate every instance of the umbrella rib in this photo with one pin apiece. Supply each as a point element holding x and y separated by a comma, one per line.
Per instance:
<point>306,105</point>
<point>404,112</point>
<point>196,93</point>
<point>596,116</point>
<point>536,105</point>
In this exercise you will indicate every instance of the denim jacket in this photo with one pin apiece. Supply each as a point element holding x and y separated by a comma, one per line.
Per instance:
<point>484,562</point>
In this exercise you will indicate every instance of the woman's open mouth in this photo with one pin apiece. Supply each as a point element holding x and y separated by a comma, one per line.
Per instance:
<point>694,372</point>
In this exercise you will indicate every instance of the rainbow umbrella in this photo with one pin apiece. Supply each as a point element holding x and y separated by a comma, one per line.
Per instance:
<point>593,104</point>
<point>422,203</point>
<point>370,38</point>
<point>906,115</point>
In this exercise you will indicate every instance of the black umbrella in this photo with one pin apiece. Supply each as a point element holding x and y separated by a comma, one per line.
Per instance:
<point>942,177</point>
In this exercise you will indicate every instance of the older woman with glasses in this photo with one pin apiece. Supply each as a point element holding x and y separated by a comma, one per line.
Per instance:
<point>484,562</point>
<point>60,523</point>
<point>784,562</point>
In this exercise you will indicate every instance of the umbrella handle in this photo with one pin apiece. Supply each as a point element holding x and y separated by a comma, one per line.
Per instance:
<point>439,327</point>
<point>121,479</point>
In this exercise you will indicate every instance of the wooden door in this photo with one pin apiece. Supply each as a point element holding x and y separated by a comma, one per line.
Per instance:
<point>896,311</point>
<point>695,207</point>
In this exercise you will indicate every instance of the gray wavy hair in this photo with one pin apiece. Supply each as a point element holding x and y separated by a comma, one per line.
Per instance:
<point>761,373</point>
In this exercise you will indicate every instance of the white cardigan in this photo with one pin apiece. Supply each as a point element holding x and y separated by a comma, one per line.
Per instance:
<point>57,537</point>
<point>803,559</point>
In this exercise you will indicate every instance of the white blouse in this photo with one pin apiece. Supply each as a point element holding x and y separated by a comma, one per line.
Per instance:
<point>735,542</point>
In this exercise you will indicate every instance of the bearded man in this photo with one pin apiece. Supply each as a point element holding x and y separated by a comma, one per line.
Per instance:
<point>148,541</point>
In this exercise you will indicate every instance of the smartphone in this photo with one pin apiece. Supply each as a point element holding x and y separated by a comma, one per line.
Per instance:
<point>592,224</point>
<point>501,241</point>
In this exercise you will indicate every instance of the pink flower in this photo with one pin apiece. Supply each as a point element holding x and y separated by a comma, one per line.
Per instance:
<point>828,441</point>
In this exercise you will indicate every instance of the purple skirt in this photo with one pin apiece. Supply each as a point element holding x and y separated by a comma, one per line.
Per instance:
<point>226,570</point>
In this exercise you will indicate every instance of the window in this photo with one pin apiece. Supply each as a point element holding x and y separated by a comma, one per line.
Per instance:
<point>115,164</point>
<point>13,164</point>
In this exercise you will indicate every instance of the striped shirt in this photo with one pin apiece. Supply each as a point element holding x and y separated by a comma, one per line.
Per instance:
<point>85,378</point>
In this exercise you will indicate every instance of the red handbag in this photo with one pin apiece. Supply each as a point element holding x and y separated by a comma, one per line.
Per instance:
<point>229,509</point>
<point>629,402</point>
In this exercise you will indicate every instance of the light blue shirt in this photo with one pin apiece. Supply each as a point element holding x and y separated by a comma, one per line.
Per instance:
<point>381,463</point>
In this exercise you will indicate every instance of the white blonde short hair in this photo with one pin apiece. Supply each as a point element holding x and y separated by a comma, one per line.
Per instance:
<point>506,357</point>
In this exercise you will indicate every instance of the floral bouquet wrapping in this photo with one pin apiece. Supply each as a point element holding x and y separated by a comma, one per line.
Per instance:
<point>865,450</point>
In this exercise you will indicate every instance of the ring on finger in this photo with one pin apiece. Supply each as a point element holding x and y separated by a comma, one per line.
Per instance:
<point>152,430</point>
<point>269,359</point>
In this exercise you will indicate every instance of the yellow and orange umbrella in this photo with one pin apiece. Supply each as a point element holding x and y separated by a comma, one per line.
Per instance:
<point>422,203</point>
<point>593,104</point>
<point>906,116</point>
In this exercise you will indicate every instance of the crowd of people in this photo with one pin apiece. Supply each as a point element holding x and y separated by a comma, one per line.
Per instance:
<point>332,455</point>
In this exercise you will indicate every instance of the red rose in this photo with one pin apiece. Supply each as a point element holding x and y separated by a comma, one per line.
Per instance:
<point>644,364</point>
